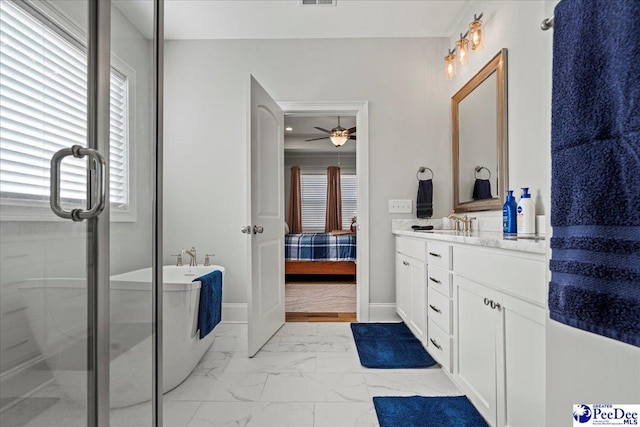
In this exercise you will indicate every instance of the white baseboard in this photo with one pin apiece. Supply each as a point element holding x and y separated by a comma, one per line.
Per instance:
<point>383,313</point>
<point>234,312</point>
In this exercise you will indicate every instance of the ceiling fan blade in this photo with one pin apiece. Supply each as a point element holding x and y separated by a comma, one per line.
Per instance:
<point>323,130</point>
<point>352,130</point>
<point>316,139</point>
<point>352,137</point>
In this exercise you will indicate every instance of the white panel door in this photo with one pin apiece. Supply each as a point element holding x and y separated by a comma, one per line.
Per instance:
<point>266,296</point>
<point>403,287</point>
<point>476,331</point>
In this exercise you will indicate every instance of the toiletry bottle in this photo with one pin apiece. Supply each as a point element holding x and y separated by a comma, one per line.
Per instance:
<point>509,214</point>
<point>526,213</point>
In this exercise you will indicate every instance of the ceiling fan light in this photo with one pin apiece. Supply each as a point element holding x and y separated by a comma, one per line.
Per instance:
<point>339,137</point>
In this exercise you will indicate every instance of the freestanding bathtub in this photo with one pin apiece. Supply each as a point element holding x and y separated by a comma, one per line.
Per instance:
<point>58,316</point>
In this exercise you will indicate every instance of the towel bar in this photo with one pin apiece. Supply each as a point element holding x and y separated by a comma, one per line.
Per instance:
<point>479,168</point>
<point>423,169</point>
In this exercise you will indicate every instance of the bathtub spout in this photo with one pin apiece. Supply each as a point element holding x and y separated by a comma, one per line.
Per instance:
<point>192,253</point>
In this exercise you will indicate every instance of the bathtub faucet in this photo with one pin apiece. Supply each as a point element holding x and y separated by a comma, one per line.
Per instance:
<point>192,253</point>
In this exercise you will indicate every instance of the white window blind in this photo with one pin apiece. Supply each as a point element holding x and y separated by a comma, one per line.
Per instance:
<point>313,198</point>
<point>43,108</point>
<point>313,195</point>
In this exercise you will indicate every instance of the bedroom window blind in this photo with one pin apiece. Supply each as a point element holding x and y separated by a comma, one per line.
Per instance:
<point>44,108</point>
<point>313,195</point>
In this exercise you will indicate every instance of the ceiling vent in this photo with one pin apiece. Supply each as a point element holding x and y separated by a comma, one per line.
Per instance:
<point>318,2</point>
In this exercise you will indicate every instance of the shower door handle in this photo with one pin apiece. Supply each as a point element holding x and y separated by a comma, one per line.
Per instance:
<point>77,214</point>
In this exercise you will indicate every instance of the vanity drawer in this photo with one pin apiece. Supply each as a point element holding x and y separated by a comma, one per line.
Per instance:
<point>439,346</point>
<point>440,280</point>
<point>414,248</point>
<point>439,309</point>
<point>439,254</point>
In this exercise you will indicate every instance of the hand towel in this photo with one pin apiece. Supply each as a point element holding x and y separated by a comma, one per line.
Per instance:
<point>595,151</point>
<point>424,202</point>
<point>482,189</point>
<point>210,307</point>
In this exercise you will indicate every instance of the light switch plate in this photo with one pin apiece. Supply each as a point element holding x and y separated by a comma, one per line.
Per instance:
<point>400,206</point>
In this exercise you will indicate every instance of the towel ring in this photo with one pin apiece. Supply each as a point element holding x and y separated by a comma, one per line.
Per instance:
<point>423,169</point>
<point>479,168</point>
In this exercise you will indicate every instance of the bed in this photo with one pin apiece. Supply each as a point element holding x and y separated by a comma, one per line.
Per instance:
<point>320,253</point>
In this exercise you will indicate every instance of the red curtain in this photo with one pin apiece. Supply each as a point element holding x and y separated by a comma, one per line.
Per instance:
<point>334,200</point>
<point>295,208</point>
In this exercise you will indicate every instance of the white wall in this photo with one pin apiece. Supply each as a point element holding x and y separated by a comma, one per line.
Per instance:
<point>205,142</point>
<point>515,25</point>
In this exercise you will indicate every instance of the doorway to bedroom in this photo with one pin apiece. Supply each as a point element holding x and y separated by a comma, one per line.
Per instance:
<point>321,199</point>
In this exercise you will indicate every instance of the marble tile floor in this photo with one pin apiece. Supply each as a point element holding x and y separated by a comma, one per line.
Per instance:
<point>308,374</point>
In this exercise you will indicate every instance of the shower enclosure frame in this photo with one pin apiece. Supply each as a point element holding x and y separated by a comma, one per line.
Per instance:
<point>98,227</point>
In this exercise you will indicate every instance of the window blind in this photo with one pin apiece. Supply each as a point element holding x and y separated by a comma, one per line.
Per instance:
<point>313,195</point>
<point>43,108</point>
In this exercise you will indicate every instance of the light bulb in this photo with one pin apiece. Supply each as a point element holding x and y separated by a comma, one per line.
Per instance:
<point>476,35</point>
<point>462,46</point>
<point>450,66</point>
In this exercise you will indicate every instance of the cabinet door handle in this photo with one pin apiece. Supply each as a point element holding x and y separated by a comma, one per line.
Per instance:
<point>405,263</point>
<point>435,309</point>
<point>486,301</point>
<point>435,344</point>
<point>433,279</point>
<point>495,305</point>
<point>435,254</point>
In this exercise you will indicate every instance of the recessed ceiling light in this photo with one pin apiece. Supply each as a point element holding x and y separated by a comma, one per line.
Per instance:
<point>288,129</point>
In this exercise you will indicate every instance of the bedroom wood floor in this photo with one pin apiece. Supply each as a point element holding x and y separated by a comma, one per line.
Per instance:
<point>320,302</point>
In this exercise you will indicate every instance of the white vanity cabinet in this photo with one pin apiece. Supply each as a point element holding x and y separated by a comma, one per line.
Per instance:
<point>499,318</point>
<point>439,305</point>
<point>485,311</point>
<point>411,286</point>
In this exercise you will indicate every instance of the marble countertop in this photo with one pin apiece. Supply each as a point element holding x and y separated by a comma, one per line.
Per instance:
<point>491,239</point>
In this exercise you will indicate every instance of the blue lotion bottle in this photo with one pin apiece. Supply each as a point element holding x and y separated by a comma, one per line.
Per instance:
<point>509,215</point>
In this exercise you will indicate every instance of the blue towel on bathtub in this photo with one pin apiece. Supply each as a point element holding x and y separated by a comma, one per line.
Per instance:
<point>210,308</point>
<point>595,151</point>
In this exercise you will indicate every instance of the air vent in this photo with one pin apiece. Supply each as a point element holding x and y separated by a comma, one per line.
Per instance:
<point>318,2</point>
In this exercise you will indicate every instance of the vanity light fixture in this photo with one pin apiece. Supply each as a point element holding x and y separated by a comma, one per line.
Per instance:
<point>462,46</point>
<point>474,38</point>
<point>450,65</point>
<point>476,33</point>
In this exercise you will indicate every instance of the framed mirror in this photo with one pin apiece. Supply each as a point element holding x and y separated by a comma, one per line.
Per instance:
<point>479,139</point>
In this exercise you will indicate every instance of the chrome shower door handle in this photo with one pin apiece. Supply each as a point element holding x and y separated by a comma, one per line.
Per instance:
<point>77,214</point>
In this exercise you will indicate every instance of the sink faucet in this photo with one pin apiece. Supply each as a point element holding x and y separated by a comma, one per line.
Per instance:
<point>192,253</point>
<point>467,222</point>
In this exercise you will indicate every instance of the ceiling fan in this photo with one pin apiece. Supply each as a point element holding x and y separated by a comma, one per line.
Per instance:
<point>338,135</point>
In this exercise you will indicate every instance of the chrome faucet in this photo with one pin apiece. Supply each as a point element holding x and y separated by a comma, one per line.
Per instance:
<point>192,253</point>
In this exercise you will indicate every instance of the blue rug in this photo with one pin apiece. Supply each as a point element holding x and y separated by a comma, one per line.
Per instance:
<point>389,346</point>
<point>418,411</point>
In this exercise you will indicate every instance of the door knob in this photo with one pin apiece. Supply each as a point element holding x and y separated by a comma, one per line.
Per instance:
<point>257,229</point>
<point>246,229</point>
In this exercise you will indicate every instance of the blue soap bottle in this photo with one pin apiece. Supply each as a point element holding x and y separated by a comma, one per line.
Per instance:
<point>509,215</point>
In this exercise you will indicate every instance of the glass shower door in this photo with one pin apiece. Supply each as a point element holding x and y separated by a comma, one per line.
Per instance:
<point>76,342</point>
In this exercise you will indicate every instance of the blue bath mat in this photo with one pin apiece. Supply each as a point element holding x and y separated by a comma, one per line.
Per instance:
<point>419,411</point>
<point>389,346</point>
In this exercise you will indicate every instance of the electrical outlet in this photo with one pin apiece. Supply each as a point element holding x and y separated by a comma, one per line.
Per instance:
<point>400,206</point>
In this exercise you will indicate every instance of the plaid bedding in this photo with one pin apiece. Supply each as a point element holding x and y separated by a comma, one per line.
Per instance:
<point>319,247</point>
